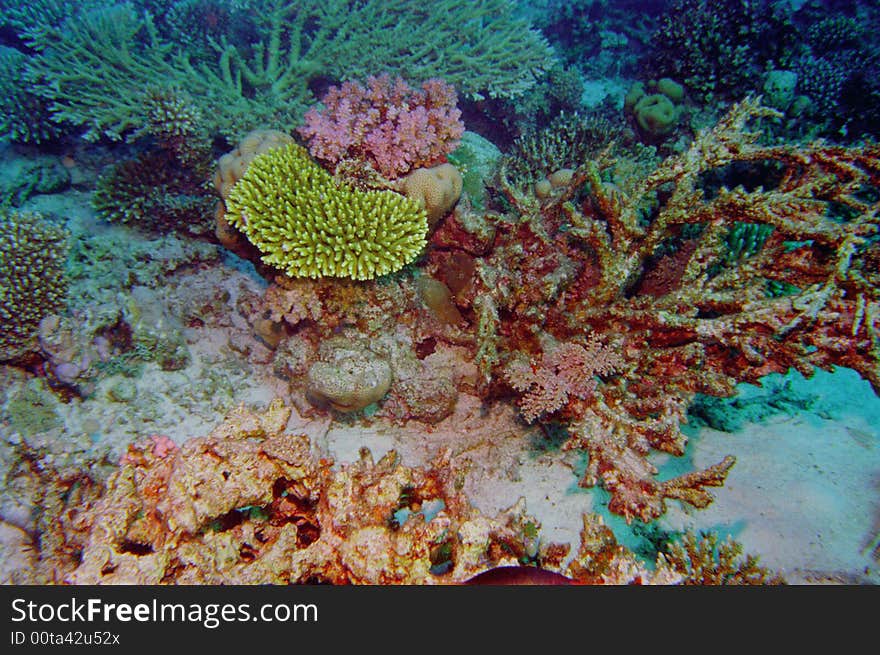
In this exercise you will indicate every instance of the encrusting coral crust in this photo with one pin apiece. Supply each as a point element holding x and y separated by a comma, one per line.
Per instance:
<point>250,504</point>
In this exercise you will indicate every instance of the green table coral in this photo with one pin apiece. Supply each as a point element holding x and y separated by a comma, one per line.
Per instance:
<point>308,226</point>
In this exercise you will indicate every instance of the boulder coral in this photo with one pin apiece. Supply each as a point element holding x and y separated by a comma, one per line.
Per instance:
<point>437,189</point>
<point>347,377</point>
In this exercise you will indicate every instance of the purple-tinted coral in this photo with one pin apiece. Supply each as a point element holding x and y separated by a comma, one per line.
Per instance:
<point>386,124</point>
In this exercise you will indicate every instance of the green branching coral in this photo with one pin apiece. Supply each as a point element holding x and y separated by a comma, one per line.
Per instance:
<point>24,116</point>
<point>480,47</point>
<point>28,19</point>
<point>157,193</point>
<point>33,253</point>
<point>308,226</point>
<point>94,66</point>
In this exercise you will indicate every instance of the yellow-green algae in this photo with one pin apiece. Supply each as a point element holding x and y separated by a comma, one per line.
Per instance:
<point>307,225</point>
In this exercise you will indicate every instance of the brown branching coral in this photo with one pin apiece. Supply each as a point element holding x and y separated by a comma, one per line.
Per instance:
<point>589,260</point>
<point>705,561</point>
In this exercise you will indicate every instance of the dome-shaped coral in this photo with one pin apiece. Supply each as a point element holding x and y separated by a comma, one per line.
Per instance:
<point>348,377</point>
<point>437,189</point>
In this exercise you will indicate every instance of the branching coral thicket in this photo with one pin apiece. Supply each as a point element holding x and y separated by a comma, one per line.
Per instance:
<point>480,47</point>
<point>24,116</point>
<point>649,270</point>
<point>95,67</point>
<point>716,48</point>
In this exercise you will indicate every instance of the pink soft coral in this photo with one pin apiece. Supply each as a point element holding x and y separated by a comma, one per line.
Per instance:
<point>567,370</point>
<point>386,124</point>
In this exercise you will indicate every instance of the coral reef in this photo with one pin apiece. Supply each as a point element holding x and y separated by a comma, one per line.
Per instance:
<point>308,226</point>
<point>502,313</point>
<point>33,255</point>
<point>252,504</point>
<point>715,321</point>
<point>384,123</point>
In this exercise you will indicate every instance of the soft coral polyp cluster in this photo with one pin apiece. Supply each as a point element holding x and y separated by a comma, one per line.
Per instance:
<point>385,123</point>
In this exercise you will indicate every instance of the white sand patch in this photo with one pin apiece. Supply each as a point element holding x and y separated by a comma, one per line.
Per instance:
<point>803,495</point>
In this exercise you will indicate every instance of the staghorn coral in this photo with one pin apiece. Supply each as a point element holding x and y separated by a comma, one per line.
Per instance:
<point>94,65</point>
<point>157,193</point>
<point>577,263</point>
<point>307,226</point>
<point>33,254</point>
<point>118,56</point>
<point>176,124</point>
<point>28,19</point>
<point>24,116</point>
<point>386,124</point>
<point>480,47</point>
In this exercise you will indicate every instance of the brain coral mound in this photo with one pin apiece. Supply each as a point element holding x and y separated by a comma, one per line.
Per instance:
<point>305,224</point>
